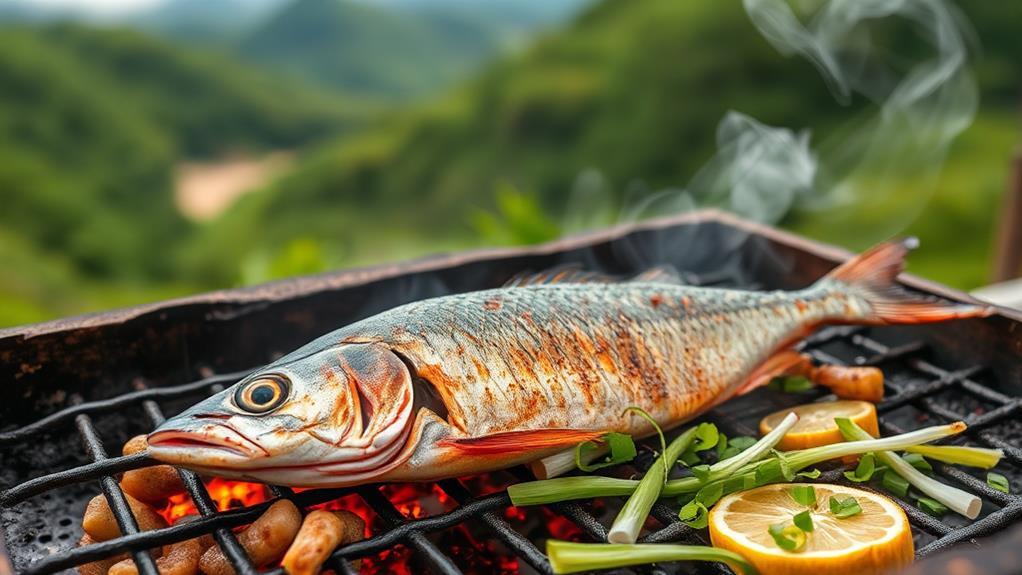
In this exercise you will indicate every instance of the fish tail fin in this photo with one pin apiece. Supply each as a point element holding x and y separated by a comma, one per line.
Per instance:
<point>872,278</point>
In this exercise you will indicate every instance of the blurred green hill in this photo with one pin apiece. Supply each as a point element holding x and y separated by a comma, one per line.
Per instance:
<point>92,123</point>
<point>633,88</point>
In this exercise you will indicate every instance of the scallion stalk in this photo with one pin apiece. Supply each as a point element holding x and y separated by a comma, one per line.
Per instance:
<point>959,501</point>
<point>568,488</point>
<point>631,517</point>
<point>569,557</point>
<point>960,455</point>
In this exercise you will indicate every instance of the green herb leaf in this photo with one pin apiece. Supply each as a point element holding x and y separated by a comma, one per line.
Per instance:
<point>918,461</point>
<point>663,442</point>
<point>694,514</point>
<point>768,472</point>
<point>721,445</point>
<point>622,449</point>
<point>702,472</point>
<point>803,521</point>
<point>689,458</point>
<point>791,384</point>
<point>743,442</point>
<point>814,474</point>
<point>864,471</point>
<point>707,437</point>
<point>786,470</point>
<point>803,495</point>
<point>895,483</point>
<point>844,508</point>
<point>932,506</point>
<point>740,483</point>
<point>710,494</point>
<point>998,482</point>
<point>787,537</point>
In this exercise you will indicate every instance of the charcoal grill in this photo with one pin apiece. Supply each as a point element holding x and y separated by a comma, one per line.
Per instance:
<point>75,389</point>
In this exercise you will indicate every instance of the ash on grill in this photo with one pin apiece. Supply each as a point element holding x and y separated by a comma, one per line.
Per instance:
<point>468,524</point>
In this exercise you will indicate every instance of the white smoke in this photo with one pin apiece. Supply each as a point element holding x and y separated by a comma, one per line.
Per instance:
<point>919,104</point>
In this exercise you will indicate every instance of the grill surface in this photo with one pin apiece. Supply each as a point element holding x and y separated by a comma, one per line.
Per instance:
<point>99,381</point>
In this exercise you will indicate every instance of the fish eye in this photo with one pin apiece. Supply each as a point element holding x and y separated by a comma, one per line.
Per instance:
<point>263,394</point>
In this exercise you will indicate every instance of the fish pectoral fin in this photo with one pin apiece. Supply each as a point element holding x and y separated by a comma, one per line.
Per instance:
<point>785,362</point>
<point>519,441</point>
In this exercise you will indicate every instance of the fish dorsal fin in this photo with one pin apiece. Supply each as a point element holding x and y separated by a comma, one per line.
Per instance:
<point>567,273</point>
<point>573,273</point>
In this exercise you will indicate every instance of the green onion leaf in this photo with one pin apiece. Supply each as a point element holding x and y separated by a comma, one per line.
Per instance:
<point>803,521</point>
<point>742,482</point>
<point>702,472</point>
<point>895,483</point>
<point>998,482</point>
<point>787,537</point>
<point>814,474</point>
<point>570,557</point>
<point>707,437</point>
<point>918,461</point>
<point>694,514</point>
<point>768,472</point>
<point>622,449</point>
<point>960,455</point>
<point>630,519</point>
<point>844,508</point>
<point>721,445</point>
<point>932,506</point>
<point>568,488</point>
<point>804,495</point>
<point>663,442</point>
<point>791,384</point>
<point>864,471</point>
<point>710,494</point>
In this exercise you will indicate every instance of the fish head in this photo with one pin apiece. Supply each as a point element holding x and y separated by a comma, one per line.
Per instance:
<point>345,409</point>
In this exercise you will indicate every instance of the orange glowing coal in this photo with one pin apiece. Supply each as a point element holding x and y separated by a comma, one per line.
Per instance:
<point>225,494</point>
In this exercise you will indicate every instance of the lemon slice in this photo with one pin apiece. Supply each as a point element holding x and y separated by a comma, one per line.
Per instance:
<point>872,542</point>
<point>816,425</point>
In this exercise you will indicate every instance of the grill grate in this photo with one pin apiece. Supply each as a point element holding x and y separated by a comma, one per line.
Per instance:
<point>917,390</point>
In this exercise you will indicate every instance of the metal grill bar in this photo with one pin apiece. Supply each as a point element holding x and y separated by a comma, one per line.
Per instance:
<point>401,530</point>
<point>114,496</point>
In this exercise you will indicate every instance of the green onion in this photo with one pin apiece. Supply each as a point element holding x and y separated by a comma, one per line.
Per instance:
<point>932,506</point>
<point>569,557</point>
<point>803,495</point>
<point>631,517</point>
<point>725,468</point>
<point>707,437</point>
<point>814,474</point>
<point>791,384</point>
<point>787,537</point>
<point>695,513</point>
<point>803,521</point>
<point>960,455</point>
<point>568,488</point>
<point>960,501</point>
<point>918,461</point>
<point>864,471</point>
<point>844,508</point>
<point>895,483</point>
<point>622,449</point>
<point>998,482</point>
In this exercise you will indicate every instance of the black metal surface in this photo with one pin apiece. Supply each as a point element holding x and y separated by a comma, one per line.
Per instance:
<point>926,384</point>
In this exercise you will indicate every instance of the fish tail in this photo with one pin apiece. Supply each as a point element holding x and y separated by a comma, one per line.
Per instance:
<point>872,278</point>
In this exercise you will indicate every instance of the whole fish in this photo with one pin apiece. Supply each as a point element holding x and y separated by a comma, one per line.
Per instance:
<point>486,380</point>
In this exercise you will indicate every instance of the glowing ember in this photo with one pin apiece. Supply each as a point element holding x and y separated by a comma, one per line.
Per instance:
<point>225,495</point>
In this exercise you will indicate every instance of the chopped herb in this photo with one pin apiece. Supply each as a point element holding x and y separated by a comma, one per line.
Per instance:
<point>742,482</point>
<point>702,472</point>
<point>814,474</point>
<point>918,461</point>
<point>787,537</point>
<point>803,495</point>
<point>998,482</point>
<point>803,521</point>
<point>734,446</point>
<point>895,483</point>
<point>694,514</point>
<point>721,445</point>
<point>707,437</point>
<point>622,449</point>
<point>932,506</point>
<point>710,494</point>
<point>791,384</point>
<point>864,471</point>
<point>844,508</point>
<point>768,472</point>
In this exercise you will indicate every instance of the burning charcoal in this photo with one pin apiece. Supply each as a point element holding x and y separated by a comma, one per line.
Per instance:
<point>100,567</point>
<point>178,559</point>
<point>321,533</point>
<point>100,524</point>
<point>150,484</point>
<point>265,540</point>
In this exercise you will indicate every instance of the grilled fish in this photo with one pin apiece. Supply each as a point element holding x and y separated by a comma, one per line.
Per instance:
<point>480,381</point>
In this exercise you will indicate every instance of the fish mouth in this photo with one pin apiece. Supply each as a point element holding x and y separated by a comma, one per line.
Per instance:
<point>188,445</point>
